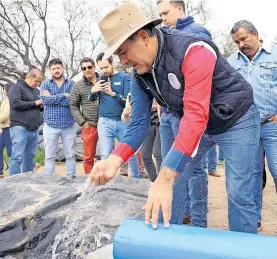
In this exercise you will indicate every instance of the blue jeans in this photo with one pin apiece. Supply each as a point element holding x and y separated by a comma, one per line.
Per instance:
<point>51,139</point>
<point>195,190</point>
<point>220,155</point>
<point>268,144</point>
<point>24,148</point>
<point>108,130</point>
<point>5,141</point>
<point>211,160</point>
<point>239,145</point>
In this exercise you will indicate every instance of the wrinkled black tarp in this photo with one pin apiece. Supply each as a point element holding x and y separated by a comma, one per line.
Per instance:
<point>47,216</point>
<point>25,234</point>
<point>32,210</point>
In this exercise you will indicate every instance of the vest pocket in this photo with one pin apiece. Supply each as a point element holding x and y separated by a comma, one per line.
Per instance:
<point>268,71</point>
<point>223,110</point>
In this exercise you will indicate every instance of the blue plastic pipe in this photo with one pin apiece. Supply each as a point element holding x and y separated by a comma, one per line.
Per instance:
<point>135,240</point>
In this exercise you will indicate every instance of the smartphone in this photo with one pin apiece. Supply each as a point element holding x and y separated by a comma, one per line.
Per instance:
<point>129,98</point>
<point>105,78</point>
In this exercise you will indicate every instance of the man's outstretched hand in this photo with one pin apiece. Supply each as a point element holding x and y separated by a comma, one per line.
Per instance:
<point>160,197</point>
<point>104,170</point>
<point>160,193</point>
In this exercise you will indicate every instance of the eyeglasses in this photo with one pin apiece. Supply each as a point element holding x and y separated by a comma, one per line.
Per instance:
<point>85,68</point>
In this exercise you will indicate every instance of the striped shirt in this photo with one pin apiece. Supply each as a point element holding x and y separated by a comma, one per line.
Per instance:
<point>57,113</point>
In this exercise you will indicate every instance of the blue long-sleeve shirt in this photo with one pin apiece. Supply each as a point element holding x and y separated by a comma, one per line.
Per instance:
<point>57,113</point>
<point>112,107</point>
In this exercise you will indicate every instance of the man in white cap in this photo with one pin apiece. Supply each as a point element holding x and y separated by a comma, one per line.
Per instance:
<point>186,74</point>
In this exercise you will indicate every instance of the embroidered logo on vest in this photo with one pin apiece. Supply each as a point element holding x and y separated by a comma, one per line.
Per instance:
<point>173,80</point>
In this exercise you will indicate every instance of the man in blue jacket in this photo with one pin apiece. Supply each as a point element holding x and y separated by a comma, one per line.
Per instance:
<point>112,98</point>
<point>173,15</point>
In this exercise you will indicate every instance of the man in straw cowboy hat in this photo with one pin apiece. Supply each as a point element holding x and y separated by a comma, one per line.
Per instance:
<point>186,74</point>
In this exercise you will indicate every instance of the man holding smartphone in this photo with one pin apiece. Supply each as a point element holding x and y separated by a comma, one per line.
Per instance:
<point>112,91</point>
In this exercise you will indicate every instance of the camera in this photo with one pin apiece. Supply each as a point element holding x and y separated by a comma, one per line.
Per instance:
<point>105,78</point>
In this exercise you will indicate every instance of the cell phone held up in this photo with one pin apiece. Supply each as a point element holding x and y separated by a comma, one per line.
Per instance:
<point>105,78</point>
<point>129,99</point>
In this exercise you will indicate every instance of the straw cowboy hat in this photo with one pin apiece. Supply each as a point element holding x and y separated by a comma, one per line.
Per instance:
<point>118,25</point>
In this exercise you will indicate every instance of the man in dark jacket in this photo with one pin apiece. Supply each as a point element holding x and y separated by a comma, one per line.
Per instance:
<point>85,112</point>
<point>186,74</point>
<point>25,120</point>
<point>173,15</point>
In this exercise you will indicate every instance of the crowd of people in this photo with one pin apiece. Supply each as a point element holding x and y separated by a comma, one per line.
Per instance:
<point>181,104</point>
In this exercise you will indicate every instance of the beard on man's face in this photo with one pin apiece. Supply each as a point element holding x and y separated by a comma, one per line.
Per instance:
<point>58,75</point>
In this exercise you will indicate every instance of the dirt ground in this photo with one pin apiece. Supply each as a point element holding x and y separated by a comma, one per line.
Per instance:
<point>217,215</point>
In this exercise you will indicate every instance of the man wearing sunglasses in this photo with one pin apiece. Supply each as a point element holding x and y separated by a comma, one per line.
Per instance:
<point>85,112</point>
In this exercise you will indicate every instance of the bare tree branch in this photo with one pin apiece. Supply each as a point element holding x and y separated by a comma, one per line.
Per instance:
<point>225,42</point>
<point>82,42</point>
<point>27,22</point>
<point>25,39</point>
<point>9,21</point>
<point>34,53</point>
<point>20,34</point>
<point>5,79</point>
<point>200,9</point>
<point>10,70</point>
<point>10,46</point>
<point>41,13</point>
<point>13,41</point>
<point>7,59</point>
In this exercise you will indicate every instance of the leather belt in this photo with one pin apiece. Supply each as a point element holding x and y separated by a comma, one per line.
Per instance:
<point>264,122</point>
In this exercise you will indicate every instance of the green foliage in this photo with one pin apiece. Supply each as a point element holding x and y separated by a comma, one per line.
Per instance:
<point>39,157</point>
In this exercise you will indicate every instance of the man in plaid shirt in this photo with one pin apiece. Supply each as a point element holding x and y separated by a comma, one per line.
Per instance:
<point>58,120</point>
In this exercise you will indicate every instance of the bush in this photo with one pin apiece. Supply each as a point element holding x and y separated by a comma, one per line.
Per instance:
<point>39,157</point>
<point>6,157</point>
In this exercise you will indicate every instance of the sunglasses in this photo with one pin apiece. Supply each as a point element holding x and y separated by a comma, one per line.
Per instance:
<point>85,68</point>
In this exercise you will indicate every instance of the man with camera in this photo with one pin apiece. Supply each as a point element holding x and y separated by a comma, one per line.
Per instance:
<point>112,91</point>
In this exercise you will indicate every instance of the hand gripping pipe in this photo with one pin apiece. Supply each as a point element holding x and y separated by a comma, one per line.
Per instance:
<point>135,240</point>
